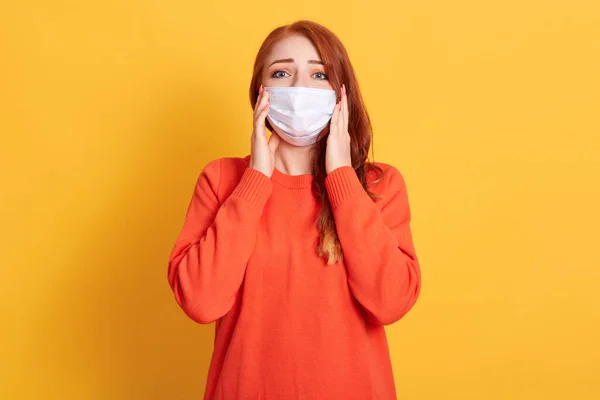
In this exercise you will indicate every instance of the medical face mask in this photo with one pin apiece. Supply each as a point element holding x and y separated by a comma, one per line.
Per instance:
<point>299,114</point>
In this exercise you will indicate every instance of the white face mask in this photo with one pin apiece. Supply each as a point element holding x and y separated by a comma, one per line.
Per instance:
<point>299,114</point>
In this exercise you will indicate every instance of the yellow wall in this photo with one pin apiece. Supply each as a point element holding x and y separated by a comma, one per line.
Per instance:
<point>111,108</point>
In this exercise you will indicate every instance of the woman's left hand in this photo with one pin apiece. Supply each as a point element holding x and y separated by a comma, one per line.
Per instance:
<point>338,152</point>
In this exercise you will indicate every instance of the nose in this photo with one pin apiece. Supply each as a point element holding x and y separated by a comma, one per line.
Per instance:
<point>300,81</point>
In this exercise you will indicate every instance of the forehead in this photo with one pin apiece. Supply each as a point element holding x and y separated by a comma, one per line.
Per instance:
<point>297,47</point>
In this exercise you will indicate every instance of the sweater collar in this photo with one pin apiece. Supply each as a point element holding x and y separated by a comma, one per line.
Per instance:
<point>292,181</point>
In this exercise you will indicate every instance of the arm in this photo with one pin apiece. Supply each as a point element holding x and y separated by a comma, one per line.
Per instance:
<point>208,262</point>
<point>383,271</point>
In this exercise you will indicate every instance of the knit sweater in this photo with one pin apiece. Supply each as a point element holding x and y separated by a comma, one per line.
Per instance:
<point>289,326</point>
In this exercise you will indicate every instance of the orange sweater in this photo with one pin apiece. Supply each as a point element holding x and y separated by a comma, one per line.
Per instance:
<point>288,326</point>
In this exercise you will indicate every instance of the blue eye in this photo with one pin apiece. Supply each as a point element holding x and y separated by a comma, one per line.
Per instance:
<point>276,74</point>
<point>321,76</point>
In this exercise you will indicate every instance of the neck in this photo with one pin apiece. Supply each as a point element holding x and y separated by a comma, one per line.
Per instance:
<point>294,160</point>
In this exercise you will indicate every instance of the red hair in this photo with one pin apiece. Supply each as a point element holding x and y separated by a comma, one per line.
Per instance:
<point>338,70</point>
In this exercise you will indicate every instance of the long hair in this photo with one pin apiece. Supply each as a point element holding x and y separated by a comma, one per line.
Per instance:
<point>338,70</point>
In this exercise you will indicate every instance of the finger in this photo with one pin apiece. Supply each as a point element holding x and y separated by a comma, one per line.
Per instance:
<point>341,121</point>
<point>258,100</point>
<point>345,108</point>
<point>260,94</point>
<point>262,115</point>
<point>340,118</point>
<point>263,98</point>
<point>333,121</point>
<point>335,116</point>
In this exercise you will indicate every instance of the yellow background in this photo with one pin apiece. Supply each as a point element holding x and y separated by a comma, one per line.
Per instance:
<point>110,109</point>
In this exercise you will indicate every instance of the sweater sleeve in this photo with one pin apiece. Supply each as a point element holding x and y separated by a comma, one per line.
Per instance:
<point>208,261</point>
<point>382,267</point>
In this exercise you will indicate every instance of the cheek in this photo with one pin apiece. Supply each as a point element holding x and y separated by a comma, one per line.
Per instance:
<point>319,84</point>
<point>264,80</point>
<point>274,82</point>
<point>327,85</point>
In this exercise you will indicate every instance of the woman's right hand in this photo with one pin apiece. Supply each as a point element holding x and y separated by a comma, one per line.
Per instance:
<point>262,155</point>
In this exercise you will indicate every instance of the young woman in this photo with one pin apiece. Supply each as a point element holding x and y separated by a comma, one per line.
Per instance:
<point>301,251</point>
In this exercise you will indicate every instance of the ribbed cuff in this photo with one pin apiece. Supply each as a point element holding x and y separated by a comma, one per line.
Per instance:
<point>342,183</point>
<point>254,186</point>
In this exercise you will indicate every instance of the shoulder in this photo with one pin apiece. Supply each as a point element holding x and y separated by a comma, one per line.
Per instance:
<point>384,177</point>
<point>388,183</point>
<point>224,173</point>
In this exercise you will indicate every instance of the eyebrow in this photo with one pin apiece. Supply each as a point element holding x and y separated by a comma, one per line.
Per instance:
<point>291,60</point>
